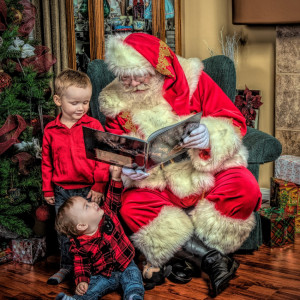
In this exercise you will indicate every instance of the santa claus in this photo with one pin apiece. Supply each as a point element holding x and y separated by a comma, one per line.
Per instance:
<point>200,205</point>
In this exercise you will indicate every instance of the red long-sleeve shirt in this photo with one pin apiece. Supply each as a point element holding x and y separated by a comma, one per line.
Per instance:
<point>109,249</point>
<point>64,161</point>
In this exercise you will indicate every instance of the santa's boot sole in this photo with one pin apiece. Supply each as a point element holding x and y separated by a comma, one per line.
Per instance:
<point>216,290</point>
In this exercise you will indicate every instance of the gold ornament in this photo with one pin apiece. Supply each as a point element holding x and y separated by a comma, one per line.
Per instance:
<point>16,16</point>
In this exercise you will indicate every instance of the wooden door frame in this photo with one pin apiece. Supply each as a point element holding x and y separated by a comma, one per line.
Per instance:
<point>158,22</point>
<point>177,8</point>
<point>71,41</point>
<point>96,28</point>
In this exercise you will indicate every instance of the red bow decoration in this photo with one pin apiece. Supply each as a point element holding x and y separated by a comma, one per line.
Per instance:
<point>28,17</point>
<point>41,62</point>
<point>3,15</point>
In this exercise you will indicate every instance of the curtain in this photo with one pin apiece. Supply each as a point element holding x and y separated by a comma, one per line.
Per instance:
<point>51,30</point>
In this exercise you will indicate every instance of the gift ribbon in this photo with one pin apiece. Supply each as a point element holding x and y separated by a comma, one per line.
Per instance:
<point>272,210</point>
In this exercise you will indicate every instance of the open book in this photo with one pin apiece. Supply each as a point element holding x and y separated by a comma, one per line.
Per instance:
<point>161,146</point>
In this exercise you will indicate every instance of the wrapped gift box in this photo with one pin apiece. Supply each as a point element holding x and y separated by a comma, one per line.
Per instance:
<point>6,256</point>
<point>297,223</point>
<point>5,252</point>
<point>287,167</point>
<point>285,195</point>
<point>278,227</point>
<point>28,251</point>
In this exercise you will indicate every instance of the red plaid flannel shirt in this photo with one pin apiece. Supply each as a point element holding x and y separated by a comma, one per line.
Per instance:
<point>109,249</point>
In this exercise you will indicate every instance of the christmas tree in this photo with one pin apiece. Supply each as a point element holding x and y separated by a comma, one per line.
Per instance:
<point>25,108</point>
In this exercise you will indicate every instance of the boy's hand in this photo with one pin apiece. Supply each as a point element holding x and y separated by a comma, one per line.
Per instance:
<point>50,200</point>
<point>95,196</point>
<point>115,173</point>
<point>81,288</point>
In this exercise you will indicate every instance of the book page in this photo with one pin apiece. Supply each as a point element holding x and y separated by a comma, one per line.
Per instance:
<point>164,144</point>
<point>114,149</point>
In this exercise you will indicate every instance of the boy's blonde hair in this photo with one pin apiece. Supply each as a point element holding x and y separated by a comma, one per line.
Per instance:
<point>69,78</point>
<point>64,221</point>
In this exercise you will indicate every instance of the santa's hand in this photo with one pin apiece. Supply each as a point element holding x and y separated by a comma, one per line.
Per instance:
<point>198,138</point>
<point>134,175</point>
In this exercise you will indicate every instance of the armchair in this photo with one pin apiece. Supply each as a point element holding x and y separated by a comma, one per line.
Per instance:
<point>262,147</point>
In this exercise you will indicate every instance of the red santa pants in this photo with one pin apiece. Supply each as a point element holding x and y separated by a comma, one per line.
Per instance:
<point>236,194</point>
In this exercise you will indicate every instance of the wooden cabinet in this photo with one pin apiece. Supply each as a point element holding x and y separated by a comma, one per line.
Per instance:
<point>90,22</point>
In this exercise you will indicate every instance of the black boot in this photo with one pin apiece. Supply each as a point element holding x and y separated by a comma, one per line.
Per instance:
<point>181,270</point>
<point>219,267</point>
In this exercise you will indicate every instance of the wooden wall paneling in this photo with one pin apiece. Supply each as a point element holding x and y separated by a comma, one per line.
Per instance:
<point>177,7</point>
<point>96,23</point>
<point>155,27</point>
<point>158,19</point>
<point>71,42</point>
<point>161,20</point>
<point>91,7</point>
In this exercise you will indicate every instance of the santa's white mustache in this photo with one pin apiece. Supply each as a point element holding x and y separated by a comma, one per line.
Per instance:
<point>140,87</point>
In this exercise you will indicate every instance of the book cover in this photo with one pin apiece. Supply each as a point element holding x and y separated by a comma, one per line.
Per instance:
<point>162,145</point>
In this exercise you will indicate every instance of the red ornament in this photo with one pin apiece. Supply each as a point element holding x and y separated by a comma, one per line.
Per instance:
<point>5,81</point>
<point>42,213</point>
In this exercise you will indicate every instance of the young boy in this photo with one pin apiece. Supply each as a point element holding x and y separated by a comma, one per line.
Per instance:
<point>66,171</point>
<point>103,254</point>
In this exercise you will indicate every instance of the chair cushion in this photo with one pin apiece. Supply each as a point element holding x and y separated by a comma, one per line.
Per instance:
<point>100,77</point>
<point>221,69</point>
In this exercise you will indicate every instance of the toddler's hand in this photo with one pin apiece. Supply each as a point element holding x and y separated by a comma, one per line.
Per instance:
<point>50,200</point>
<point>115,173</point>
<point>95,196</point>
<point>81,288</point>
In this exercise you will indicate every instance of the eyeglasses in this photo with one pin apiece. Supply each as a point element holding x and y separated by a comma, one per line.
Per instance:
<point>139,79</point>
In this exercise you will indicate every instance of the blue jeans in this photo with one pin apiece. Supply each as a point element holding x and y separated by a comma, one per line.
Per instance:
<point>130,280</point>
<point>61,195</point>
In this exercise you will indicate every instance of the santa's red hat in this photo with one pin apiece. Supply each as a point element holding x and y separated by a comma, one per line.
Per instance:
<point>138,54</point>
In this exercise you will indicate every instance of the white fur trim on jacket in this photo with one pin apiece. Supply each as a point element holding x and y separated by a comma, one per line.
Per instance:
<point>123,59</point>
<point>218,231</point>
<point>226,147</point>
<point>159,240</point>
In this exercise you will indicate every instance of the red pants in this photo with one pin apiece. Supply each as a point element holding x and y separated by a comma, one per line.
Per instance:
<point>236,194</point>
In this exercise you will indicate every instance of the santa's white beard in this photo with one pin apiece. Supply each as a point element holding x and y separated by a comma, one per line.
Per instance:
<point>150,96</point>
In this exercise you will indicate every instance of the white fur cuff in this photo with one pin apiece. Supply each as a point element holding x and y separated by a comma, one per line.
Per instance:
<point>220,232</point>
<point>226,147</point>
<point>159,240</point>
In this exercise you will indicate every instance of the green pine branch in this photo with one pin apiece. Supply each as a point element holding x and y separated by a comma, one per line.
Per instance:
<point>26,96</point>
<point>16,225</point>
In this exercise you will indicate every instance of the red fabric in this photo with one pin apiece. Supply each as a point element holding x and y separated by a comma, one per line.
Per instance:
<point>164,60</point>
<point>64,161</point>
<point>236,195</point>
<point>213,102</point>
<point>109,249</point>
